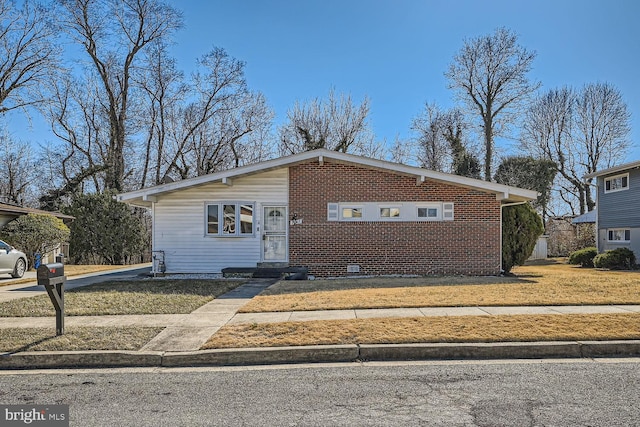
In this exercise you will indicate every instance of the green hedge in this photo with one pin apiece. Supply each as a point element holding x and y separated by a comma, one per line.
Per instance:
<point>617,259</point>
<point>584,257</point>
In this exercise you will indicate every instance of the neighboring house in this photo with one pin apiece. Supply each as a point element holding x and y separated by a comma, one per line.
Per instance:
<point>10,212</point>
<point>336,214</point>
<point>618,213</point>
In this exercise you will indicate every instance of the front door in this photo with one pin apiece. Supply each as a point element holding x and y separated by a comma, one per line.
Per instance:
<point>274,234</point>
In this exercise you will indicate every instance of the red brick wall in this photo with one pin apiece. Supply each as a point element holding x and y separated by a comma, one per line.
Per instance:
<point>470,244</point>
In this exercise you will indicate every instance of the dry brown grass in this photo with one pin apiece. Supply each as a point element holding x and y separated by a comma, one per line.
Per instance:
<point>125,297</point>
<point>71,270</point>
<point>551,284</point>
<point>430,330</point>
<point>14,340</point>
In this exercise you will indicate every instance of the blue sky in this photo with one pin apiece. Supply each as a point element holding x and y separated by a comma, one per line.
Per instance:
<point>396,51</point>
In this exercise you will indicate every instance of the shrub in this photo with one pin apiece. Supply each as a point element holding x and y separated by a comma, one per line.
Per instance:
<point>617,259</point>
<point>35,233</point>
<point>521,227</point>
<point>104,230</point>
<point>584,257</point>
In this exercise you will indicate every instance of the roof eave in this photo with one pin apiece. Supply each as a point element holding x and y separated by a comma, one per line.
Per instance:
<point>145,197</point>
<point>615,169</point>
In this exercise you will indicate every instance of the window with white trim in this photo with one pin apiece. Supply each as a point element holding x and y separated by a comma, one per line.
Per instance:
<point>428,213</point>
<point>352,213</point>
<point>616,183</point>
<point>619,235</point>
<point>230,219</point>
<point>389,212</point>
<point>392,211</point>
<point>434,211</point>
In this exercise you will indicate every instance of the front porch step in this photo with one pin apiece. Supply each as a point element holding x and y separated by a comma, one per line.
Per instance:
<point>286,272</point>
<point>267,264</point>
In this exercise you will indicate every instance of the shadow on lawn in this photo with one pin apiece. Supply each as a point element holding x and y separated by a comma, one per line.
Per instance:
<point>295,287</point>
<point>164,287</point>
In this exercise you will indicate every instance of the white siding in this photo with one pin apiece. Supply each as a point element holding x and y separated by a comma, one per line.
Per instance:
<point>180,223</point>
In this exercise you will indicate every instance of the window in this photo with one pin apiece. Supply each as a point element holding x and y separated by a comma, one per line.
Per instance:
<point>616,183</point>
<point>212,219</point>
<point>619,235</point>
<point>432,212</point>
<point>352,213</point>
<point>428,213</point>
<point>389,212</point>
<point>230,219</point>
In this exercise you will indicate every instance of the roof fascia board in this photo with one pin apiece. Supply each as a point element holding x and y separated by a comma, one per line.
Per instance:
<point>615,169</point>
<point>321,155</point>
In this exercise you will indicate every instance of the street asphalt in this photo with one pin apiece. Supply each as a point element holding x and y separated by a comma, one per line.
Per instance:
<point>183,335</point>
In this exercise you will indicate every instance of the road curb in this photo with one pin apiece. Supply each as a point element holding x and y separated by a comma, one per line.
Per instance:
<point>263,356</point>
<point>450,351</point>
<point>321,354</point>
<point>74,359</point>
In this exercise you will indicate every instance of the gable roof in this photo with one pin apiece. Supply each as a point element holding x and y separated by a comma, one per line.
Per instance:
<point>7,209</point>
<point>146,196</point>
<point>615,169</point>
<point>586,218</point>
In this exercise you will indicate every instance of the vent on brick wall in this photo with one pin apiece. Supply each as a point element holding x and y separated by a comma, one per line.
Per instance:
<point>353,268</point>
<point>447,211</point>
<point>332,212</point>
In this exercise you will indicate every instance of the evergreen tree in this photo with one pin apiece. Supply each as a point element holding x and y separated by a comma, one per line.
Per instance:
<point>105,230</point>
<point>521,227</point>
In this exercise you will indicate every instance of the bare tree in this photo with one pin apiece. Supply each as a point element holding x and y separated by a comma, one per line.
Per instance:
<point>164,90</point>
<point>581,132</point>
<point>335,124</point>
<point>29,54</point>
<point>112,34</point>
<point>17,172</point>
<point>440,136</point>
<point>78,119</point>
<point>404,151</point>
<point>490,74</point>
<point>434,151</point>
<point>211,124</point>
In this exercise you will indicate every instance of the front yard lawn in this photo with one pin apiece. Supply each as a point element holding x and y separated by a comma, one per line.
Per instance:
<point>126,297</point>
<point>553,284</point>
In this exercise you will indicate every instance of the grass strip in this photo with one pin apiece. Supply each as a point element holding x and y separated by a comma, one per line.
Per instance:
<point>514,328</point>
<point>14,340</point>
<point>125,297</point>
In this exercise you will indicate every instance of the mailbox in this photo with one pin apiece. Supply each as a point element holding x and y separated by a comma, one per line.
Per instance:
<point>50,274</point>
<point>52,277</point>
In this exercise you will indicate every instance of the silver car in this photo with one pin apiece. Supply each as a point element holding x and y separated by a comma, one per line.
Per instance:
<point>12,261</point>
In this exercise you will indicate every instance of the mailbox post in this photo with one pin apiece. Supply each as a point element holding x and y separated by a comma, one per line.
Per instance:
<point>52,277</point>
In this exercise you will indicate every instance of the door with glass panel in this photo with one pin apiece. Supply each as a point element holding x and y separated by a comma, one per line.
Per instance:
<point>274,234</point>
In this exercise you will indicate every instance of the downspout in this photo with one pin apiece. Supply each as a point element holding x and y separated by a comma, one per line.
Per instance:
<point>502,206</point>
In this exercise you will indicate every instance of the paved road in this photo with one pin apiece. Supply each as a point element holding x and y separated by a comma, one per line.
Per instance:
<point>549,393</point>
